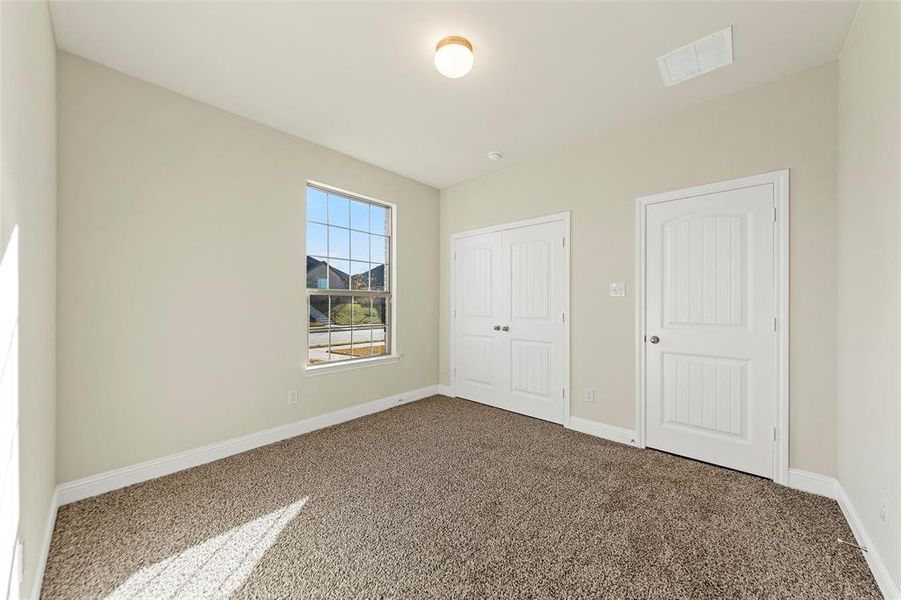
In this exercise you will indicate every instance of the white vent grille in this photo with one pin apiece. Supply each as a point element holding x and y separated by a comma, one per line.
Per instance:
<point>699,57</point>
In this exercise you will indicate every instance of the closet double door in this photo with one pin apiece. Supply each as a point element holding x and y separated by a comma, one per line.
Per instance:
<point>509,318</point>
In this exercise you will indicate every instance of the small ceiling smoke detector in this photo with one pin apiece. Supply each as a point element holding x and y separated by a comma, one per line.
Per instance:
<point>453,56</point>
<point>701,56</point>
<point>495,156</point>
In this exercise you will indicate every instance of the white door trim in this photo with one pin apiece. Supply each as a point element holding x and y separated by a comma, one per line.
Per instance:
<point>562,216</point>
<point>780,182</point>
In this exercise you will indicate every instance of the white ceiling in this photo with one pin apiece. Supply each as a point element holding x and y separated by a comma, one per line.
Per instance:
<point>358,77</point>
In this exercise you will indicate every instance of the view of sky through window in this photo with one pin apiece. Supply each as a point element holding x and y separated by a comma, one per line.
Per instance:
<point>348,264</point>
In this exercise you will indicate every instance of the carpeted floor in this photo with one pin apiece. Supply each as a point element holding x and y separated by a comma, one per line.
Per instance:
<point>447,498</point>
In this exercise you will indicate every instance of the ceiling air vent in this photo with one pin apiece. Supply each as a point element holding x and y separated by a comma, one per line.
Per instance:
<point>701,56</point>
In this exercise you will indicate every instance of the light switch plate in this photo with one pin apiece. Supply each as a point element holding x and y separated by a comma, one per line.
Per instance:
<point>617,288</point>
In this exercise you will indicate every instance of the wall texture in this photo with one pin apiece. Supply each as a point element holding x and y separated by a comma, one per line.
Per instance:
<point>869,274</point>
<point>28,201</point>
<point>181,274</point>
<point>790,123</point>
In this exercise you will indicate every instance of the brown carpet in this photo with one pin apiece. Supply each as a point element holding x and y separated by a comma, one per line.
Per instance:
<point>447,498</point>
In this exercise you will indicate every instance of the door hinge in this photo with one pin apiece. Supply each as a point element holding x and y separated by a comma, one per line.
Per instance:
<point>563,317</point>
<point>775,320</point>
<point>564,242</point>
<point>563,393</point>
<point>455,313</point>
<point>774,433</point>
<point>775,214</point>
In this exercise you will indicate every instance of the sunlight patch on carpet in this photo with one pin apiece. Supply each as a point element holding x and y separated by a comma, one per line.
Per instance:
<point>214,568</point>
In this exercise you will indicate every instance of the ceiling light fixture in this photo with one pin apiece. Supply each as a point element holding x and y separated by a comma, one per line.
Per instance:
<point>453,56</point>
<point>495,156</point>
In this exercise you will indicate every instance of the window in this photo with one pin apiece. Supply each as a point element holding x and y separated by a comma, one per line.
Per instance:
<point>348,277</point>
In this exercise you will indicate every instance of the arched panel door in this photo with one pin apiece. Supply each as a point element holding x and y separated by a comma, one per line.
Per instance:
<point>710,328</point>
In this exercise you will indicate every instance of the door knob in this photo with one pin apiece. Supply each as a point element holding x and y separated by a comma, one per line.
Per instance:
<point>497,327</point>
<point>505,328</point>
<point>654,339</point>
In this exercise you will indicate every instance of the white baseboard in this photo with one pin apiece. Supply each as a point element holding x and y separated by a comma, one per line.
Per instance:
<point>887,585</point>
<point>813,483</point>
<point>44,551</point>
<point>446,390</point>
<point>151,469</point>
<point>830,487</point>
<point>601,430</point>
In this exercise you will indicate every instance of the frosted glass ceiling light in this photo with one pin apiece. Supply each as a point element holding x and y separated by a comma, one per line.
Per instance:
<point>453,56</point>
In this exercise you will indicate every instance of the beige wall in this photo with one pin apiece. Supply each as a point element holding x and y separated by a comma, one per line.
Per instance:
<point>790,123</point>
<point>181,274</point>
<point>28,201</point>
<point>869,275</point>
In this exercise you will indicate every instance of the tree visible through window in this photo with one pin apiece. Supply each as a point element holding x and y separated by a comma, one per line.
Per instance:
<point>348,267</point>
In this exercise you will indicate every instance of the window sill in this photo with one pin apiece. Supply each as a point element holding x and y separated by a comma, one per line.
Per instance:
<point>350,365</point>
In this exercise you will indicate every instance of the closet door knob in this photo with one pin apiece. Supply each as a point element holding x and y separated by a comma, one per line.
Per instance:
<point>654,339</point>
<point>505,328</point>
<point>497,328</point>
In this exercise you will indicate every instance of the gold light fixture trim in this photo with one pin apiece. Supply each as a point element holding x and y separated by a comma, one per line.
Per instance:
<point>454,39</point>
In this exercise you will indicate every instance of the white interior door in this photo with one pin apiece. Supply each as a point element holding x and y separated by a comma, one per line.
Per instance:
<point>509,319</point>
<point>533,267</point>
<point>478,300</point>
<point>710,328</point>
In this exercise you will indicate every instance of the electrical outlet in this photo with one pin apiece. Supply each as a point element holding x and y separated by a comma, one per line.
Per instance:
<point>883,507</point>
<point>589,395</point>
<point>617,289</point>
<point>292,397</point>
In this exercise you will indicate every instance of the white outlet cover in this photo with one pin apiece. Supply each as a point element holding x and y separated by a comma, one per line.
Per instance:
<point>589,395</point>
<point>617,289</point>
<point>292,396</point>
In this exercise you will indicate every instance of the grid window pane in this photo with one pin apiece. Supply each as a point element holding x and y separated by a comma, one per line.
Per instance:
<point>378,248</point>
<point>380,329</point>
<point>378,278</point>
<point>317,205</point>
<point>359,246</point>
<point>362,343</point>
<point>317,239</point>
<point>359,275</point>
<point>359,215</point>
<point>338,278</point>
<point>338,210</point>
<point>378,220</point>
<point>319,329</point>
<point>348,253</point>
<point>379,342</point>
<point>342,312</point>
<point>317,272</point>
<point>379,313</point>
<point>338,242</point>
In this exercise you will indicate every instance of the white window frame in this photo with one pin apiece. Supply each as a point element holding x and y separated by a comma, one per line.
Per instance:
<point>390,303</point>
